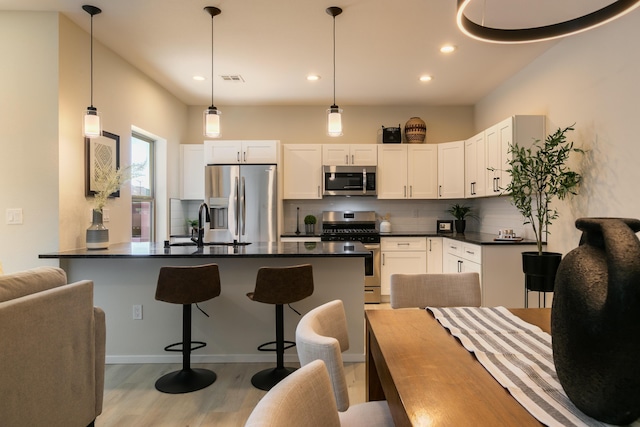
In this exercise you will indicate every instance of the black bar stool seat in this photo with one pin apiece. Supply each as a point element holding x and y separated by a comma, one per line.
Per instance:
<point>279,286</point>
<point>187,285</point>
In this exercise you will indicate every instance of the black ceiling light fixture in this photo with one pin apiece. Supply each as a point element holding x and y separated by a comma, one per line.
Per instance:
<point>212,114</point>
<point>91,125</point>
<point>542,33</point>
<point>334,113</point>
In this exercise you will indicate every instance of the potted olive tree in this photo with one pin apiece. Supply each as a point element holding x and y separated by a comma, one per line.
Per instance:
<point>460,213</point>
<point>540,174</point>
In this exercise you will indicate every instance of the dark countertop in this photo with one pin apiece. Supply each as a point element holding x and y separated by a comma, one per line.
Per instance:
<point>469,237</point>
<point>254,250</point>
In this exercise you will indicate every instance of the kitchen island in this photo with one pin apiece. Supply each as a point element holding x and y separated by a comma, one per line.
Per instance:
<point>125,275</point>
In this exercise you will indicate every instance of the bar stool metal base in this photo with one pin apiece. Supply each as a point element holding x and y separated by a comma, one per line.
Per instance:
<point>185,381</point>
<point>266,379</point>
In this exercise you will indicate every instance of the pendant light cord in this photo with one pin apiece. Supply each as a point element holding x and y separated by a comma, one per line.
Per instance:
<point>212,60</point>
<point>334,60</point>
<point>91,61</point>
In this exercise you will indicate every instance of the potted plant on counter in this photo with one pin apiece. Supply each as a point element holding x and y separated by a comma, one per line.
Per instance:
<point>310,224</point>
<point>538,175</point>
<point>460,213</point>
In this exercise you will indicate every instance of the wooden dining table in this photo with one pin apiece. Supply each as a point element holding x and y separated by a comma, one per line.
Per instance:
<point>429,379</point>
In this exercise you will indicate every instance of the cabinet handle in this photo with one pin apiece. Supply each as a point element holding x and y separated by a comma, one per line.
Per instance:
<point>430,245</point>
<point>238,156</point>
<point>455,248</point>
<point>352,159</point>
<point>411,191</point>
<point>470,252</point>
<point>497,184</point>
<point>346,159</point>
<point>439,190</point>
<point>382,259</point>
<point>403,244</point>
<point>405,191</point>
<point>473,188</point>
<point>245,156</point>
<point>459,266</point>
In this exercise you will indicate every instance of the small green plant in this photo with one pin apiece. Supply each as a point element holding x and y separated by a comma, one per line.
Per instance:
<point>310,219</point>
<point>461,212</point>
<point>538,175</point>
<point>192,223</point>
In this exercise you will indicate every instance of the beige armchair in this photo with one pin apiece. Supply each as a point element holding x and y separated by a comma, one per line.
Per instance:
<point>322,334</point>
<point>435,290</point>
<point>53,350</point>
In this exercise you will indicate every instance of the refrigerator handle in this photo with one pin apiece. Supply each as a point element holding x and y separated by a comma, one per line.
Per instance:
<point>244,207</point>
<point>237,197</point>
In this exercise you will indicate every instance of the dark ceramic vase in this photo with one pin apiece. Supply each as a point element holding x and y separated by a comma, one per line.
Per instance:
<point>595,320</point>
<point>460,225</point>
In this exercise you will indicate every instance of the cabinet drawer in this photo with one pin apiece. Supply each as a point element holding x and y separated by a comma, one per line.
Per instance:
<point>472,253</point>
<point>403,244</point>
<point>453,247</point>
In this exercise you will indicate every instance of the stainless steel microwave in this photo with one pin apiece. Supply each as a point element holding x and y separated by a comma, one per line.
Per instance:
<point>349,181</point>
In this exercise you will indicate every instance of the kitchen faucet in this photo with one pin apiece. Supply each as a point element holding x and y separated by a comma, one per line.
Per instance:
<point>200,241</point>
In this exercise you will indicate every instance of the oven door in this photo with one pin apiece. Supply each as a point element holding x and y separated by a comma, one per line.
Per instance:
<point>372,274</point>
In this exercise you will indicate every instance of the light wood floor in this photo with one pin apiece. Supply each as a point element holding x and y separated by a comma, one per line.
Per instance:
<point>130,397</point>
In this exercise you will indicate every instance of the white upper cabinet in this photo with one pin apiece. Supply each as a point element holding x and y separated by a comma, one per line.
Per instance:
<point>523,130</point>
<point>474,166</point>
<point>192,171</point>
<point>302,165</point>
<point>349,154</point>
<point>238,152</point>
<point>451,170</point>
<point>407,171</point>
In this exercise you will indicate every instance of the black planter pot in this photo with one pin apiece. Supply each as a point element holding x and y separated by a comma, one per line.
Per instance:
<point>540,270</point>
<point>460,225</point>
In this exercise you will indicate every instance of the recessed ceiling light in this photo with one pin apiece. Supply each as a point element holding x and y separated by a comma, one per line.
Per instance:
<point>447,48</point>
<point>198,78</point>
<point>426,78</point>
<point>313,77</point>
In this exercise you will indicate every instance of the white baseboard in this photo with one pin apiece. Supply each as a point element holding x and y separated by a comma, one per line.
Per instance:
<point>214,358</point>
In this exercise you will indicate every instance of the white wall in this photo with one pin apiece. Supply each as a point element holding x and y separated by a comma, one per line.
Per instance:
<point>126,99</point>
<point>28,137</point>
<point>590,79</point>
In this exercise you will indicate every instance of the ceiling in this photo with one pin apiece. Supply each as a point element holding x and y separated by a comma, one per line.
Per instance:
<point>382,47</point>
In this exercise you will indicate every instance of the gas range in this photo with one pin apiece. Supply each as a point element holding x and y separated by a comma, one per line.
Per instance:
<point>349,226</point>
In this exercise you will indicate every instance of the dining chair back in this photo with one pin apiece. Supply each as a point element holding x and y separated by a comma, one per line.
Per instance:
<point>435,290</point>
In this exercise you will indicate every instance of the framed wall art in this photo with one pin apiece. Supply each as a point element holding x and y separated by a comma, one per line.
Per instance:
<point>101,152</point>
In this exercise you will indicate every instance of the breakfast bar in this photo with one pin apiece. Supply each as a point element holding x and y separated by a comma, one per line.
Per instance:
<point>125,276</point>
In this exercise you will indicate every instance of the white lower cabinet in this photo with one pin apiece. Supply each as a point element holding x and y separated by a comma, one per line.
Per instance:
<point>499,267</point>
<point>407,255</point>
<point>434,255</point>
<point>301,238</point>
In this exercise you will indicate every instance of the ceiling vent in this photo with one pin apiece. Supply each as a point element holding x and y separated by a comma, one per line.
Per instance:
<point>233,78</point>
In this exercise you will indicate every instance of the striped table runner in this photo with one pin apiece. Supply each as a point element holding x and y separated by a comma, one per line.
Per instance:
<point>519,356</point>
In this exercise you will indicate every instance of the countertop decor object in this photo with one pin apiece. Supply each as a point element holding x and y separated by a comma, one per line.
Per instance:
<point>415,130</point>
<point>460,213</point>
<point>97,234</point>
<point>540,174</point>
<point>595,321</point>
<point>310,224</point>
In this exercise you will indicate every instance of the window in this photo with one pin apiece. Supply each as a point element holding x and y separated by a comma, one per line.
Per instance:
<point>142,189</point>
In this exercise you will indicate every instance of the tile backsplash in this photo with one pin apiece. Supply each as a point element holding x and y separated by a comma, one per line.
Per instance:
<point>412,215</point>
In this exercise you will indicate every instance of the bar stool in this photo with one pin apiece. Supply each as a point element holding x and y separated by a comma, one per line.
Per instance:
<point>187,285</point>
<point>279,286</point>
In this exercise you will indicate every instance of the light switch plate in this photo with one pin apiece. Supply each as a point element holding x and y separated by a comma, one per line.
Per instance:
<point>14,216</point>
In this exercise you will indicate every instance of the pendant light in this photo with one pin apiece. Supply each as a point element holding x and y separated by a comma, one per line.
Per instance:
<point>334,113</point>
<point>91,125</point>
<point>212,114</point>
<point>542,33</point>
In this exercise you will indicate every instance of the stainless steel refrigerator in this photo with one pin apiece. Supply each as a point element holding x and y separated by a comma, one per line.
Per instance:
<point>242,203</point>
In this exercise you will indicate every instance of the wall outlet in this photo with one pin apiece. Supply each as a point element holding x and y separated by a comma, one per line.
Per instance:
<point>14,216</point>
<point>137,312</point>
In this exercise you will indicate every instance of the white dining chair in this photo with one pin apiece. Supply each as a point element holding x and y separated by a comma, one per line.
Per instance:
<point>435,290</point>
<point>322,334</point>
<point>304,398</point>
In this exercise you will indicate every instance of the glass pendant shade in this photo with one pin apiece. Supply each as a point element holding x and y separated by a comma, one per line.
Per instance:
<point>91,124</point>
<point>212,122</point>
<point>334,121</point>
